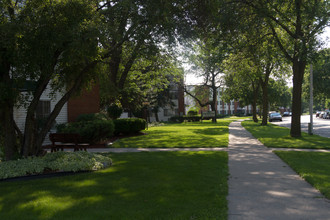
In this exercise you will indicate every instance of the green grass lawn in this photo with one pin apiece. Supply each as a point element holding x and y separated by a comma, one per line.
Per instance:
<point>191,134</point>
<point>148,185</point>
<point>314,167</point>
<point>279,137</point>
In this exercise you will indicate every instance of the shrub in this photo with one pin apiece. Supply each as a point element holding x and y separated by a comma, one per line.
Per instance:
<point>221,116</point>
<point>192,118</point>
<point>176,119</point>
<point>58,161</point>
<point>192,112</point>
<point>239,114</point>
<point>91,131</point>
<point>129,125</point>
<point>180,119</point>
<point>114,111</point>
<point>92,117</point>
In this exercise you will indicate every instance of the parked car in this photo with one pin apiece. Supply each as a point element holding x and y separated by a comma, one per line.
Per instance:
<point>286,114</point>
<point>274,117</point>
<point>326,114</point>
<point>321,114</point>
<point>317,114</point>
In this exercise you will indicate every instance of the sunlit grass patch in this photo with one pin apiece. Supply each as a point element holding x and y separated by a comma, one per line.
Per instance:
<point>279,137</point>
<point>148,185</point>
<point>314,167</point>
<point>191,134</point>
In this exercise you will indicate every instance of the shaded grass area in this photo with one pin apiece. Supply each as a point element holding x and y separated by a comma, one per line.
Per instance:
<point>148,185</point>
<point>314,167</point>
<point>191,134</point>
<point>279,137</point>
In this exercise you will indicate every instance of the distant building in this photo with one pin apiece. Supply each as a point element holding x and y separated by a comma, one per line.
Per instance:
<point>200,91</point>
<point>222,107</point>
<point>177,98</point>
<point>231,107</point>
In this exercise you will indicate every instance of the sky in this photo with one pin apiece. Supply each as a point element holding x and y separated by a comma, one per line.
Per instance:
<point>191,79</point>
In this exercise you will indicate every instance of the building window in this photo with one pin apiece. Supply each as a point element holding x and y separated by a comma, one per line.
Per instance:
<point>43,109</point>
<point>166,112</point>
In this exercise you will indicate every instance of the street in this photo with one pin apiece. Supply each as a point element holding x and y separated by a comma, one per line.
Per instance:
<point>320,126</point>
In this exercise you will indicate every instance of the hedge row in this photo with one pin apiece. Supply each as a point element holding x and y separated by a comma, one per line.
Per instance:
<point>96,127</point>
<point>129,125</point>
<point>180,119</point>
<point>91,131</point>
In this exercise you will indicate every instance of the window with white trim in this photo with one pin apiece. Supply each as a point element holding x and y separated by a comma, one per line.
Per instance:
<point>43,109</point>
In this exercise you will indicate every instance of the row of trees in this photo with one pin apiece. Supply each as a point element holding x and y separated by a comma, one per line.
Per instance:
<point>266,39</point>
<point>70,44</point>
<point>126,46</point>
<point>321,78</point>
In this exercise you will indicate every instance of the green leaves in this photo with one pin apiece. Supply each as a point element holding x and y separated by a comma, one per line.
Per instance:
<point>57,161</point>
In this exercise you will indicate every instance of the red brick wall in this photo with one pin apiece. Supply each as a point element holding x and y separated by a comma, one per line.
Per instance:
<point>88,102</point>
<point>235,106</point>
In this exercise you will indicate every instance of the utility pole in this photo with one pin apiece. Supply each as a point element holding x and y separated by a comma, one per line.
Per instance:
<point>310,125</point>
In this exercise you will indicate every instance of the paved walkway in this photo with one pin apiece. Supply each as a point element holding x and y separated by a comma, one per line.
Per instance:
<point>262,186</point>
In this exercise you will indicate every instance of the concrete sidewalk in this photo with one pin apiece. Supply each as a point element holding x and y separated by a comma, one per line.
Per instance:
<point>262,186</point>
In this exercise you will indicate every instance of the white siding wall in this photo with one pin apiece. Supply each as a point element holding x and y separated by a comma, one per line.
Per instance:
<point>20,113</point>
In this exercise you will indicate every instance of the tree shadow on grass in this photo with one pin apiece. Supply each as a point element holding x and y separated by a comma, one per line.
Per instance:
<point>166,142</point>
<point>138,186</point>
<point>211,131</point>
<point>279,137</point>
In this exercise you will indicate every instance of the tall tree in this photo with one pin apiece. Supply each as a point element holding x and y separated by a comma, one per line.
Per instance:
<point>54,44</point>
<point>321,78</point>
<point>8,57</point>
<point>207,60</point>
<point>134,32</point>
<point>242,81</point>
<point>279,94</point>
<point>294,25</point>
<point>146,78</point>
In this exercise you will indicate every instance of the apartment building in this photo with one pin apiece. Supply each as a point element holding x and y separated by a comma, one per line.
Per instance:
<point>223,108</point>
<point>177,98</point>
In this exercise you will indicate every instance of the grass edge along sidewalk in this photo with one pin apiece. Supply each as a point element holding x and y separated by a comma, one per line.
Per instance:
<point>274,136</point>
<point>312,166</point>
<point>183,135</point>
<point>146,185</point>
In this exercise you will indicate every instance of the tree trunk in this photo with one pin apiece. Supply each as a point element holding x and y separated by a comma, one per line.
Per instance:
<point>156,116</point>
<point>264,105</point>
<point>7,111</point>
<point>264,87</point>
<point>254,110</point>
<point>214,104</point>
<point>40,136</point>
<point>33,139</point>
<point>10,148</point>
<point>298,75</point>
<point>30,129</point>
<point>254,103</point>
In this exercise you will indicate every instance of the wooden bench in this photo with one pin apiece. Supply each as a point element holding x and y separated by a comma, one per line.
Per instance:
<point>64,140</point>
